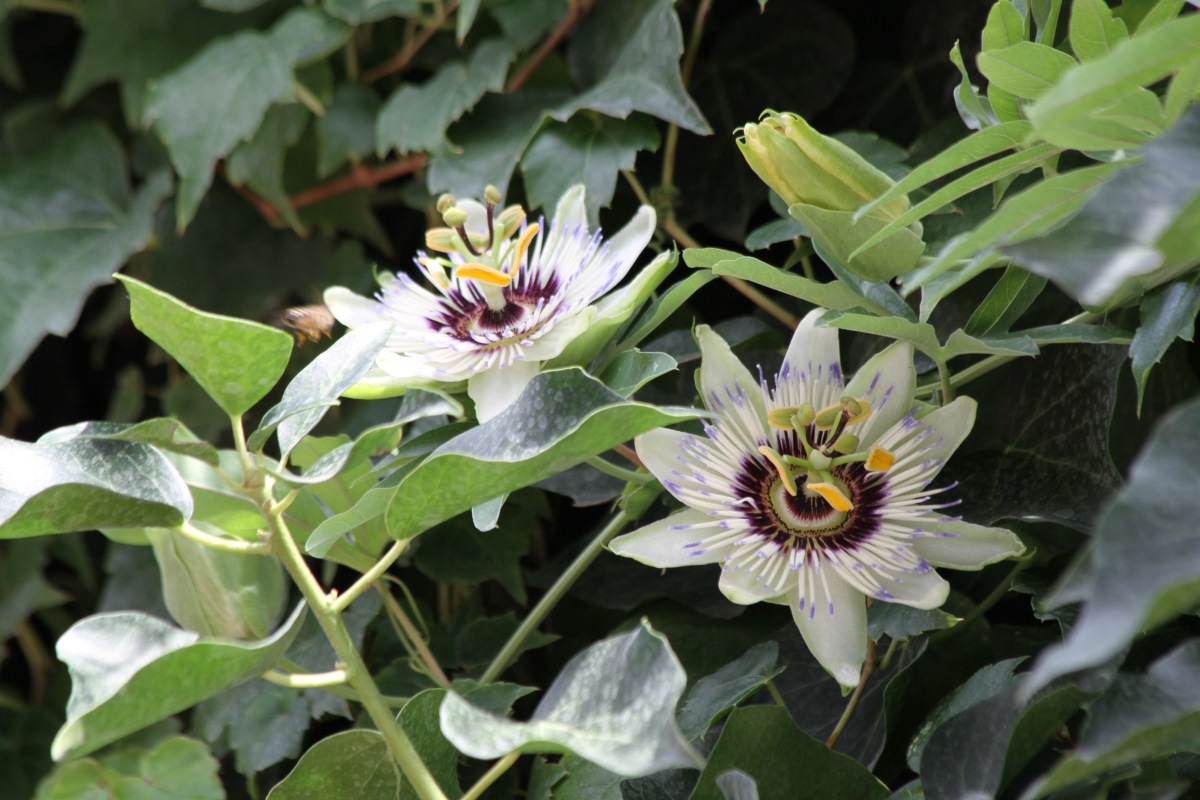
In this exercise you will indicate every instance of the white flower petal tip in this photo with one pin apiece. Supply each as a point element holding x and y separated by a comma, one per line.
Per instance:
<point>818,490</point>
<point>494,390</point>
<point>497,291</point>
<point>669,542</point>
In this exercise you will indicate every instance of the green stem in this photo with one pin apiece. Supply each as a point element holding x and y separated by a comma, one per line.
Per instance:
<point>773,690</point>
<point>553,595</point>
<point>343,602</point>
<point>627,475</point>
<point>250,472</point>
<point>986,604</point>
<point>947,388</point>
<point>867,670</point>
<point>891,651</point>
<point>415,638</point>
<point>491,776</point>
<point>357,675</point>
<point>341,690</point>
<point>807,267</point>
<point>306,680</point>
<point>667,181</point>
<point>308,99</point>
<point>189,531</point>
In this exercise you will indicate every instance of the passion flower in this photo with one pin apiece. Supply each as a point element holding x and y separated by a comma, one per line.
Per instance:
<point>816,493</point>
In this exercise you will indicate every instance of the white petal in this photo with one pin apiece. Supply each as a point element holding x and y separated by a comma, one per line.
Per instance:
<point>571,209</point>
<point>494,390</point>
<point>377,385</point>
<point>618,305</point>
<point>811,346</point>
<point>352,309</point>
<point>888,380</point>
<point>725,382</point>
<point>406,367</point>
<point>964,546</point>
<point>627,244</point>
<point>659,544</point>
<point>951,424</point>
<point>476,216</point>
<point>662,452</point>
<point>838,640</point>
<point>745,587</point>
<point>924,589</point>
<point>554,341</point>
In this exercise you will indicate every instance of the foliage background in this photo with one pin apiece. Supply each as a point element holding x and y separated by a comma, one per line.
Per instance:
<point>243,155</point>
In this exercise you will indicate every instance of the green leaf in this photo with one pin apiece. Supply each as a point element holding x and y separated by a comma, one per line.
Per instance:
<point>588,150</point>
<point>129,670</point>
<point>613,704</point>
<point>258,163</point>
<point>203,109</point>
<point>828,295</point>
<point>135,44</point>
<point>232,6</point>
<point>924,338</point>
<point>774,232</point>
<point>1138,61</point>
<point>415,118</point>
<point>663,307</point>
<point>1137,718</point>
<point>713,695</point>
<point>1026,69</point>
<point>83,484</point>
<point>1168,313</point>
<point>456,551</point>
<point>901,622</point>
<point>319,385</point>
<point>236,361</point>
<point>465,18</point>
<point>1011,297</point>
<point>633,369</point>
<point>862,246</point>
<point>348,127</point>
<point>970,105</point>
<point>25,590</point>
<point>1143,565</point>
<point>626,55</point>
<point>1093,29</point>
<point>353,763</point>
<point>162,432</point>
<point>1025,215</point>
<point>419,720</point>
<point>988,682</point>
<point>176,767</point>
<point>490,141</point>
<point>1047,421</point>
<point>215,593</point>
<point>1134,232</point>
<point>792,760</point>
<point>68,220</point>
<point>963,153</point>
<point>1014,164</point>
<point>1005,27</point>
<point>360,12</point>
<point>561,418</point>
<point>1075,333</point>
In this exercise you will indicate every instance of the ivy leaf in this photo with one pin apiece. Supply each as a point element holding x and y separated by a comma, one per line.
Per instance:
<point>69,221</point>
<point>415,118</point>
<point>136,43</point>
<point>713,695</point>
<point>793,759</point>
<point>203,109</point>
<point>1025,428</point>
<point>83,484</point>
<point>176,767</point>
<point>348,127</point>
<point>1143,565</point>
<point>360,12</point>
<point>456,551</point>
<point>162,432</point>
<point>1168,313</point>
<point>627,53</point>
<point>612,704</point>
<point>587,150</point>
<point>562,417</point>
<point>129,670</point>
<point>25,589</point>
<point>258,163</point>
<point>236,361</point>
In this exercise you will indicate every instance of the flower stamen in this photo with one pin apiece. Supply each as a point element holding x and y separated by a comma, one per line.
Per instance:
<point>879,460</point>
<point>785,474</point>
<point>832,494</point>
<point>483,273</point>
<point>522,245</point>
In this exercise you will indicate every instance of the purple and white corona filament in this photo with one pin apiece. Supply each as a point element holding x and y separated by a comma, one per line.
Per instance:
<point>504,296</point>
<point>815,492</point>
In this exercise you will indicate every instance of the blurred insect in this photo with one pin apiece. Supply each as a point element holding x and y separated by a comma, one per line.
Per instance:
<point>307,323</point>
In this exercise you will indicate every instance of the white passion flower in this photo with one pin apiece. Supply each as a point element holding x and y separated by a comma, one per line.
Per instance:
<point>815,493</point>
<point>505,296</point>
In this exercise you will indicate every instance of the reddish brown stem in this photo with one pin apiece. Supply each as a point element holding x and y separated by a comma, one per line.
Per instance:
<point>359,178</point>
<point>628,452</point>
<point>579,10</point>
<point>402,59</point>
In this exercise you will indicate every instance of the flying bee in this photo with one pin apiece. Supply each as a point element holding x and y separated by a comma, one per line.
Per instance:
<point>307,323</point>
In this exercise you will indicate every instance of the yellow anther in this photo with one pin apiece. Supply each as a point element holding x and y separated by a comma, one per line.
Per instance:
<point>879,460</point>
<point>522,244</point>
<point>445,203</point>
<point>782,417</point>
<point>454,216</point>
<point>440,239</point>
<point>827,417</point>
<point>483,273</point>
<point>785,474</point>
<point>833,495</point>
<point>492,195</point>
